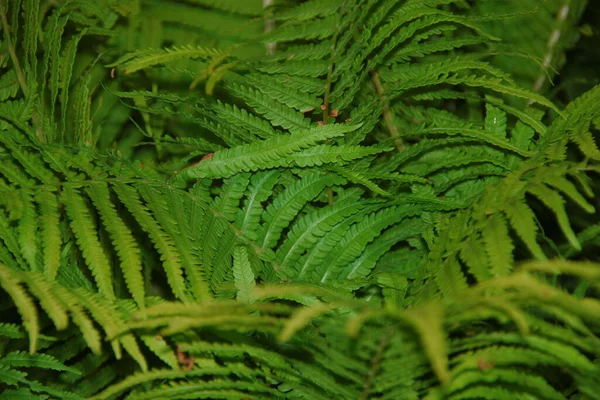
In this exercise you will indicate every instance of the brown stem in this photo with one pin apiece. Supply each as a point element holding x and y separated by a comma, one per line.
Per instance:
<point>269,26</point>
<point>11,49</point>
<point>388,115</point>
<point>376,364</point>
<point>551,44</point>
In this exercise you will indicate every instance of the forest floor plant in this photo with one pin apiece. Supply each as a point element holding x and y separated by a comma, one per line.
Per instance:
<point>323,199</point>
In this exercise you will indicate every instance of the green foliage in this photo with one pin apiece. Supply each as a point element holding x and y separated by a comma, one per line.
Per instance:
<point>318,199</point>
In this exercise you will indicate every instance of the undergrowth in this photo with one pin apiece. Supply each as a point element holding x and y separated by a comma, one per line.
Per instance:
<point>324,199</point>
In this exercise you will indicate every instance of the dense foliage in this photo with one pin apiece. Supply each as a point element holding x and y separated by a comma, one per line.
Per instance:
<point>323,199</point>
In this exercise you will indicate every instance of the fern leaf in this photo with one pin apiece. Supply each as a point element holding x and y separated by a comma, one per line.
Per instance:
<point>215,230</point>
<point>585,140</point>
<point>15,174</point>
<point>25,305</point>
<point>11,242</point>
<point>285,207</point>
<point>498,245</point>
<point>310,228</point>
<point>122,239</point>
<point>449,277</point>
<point>305,268</point>
<point>85,232</point>
<point>22,359</point>
<point>302,68</point>
<point>335,267</point>
<point>473,254</point>
<point>496,85</point>
<point>260,189</point>
<point>275,112</point>
<point>161,349</point>
<point>479,134</point>
<point>255,125</point>
<point>172,216</point>
<point>524,116</point>
<point>431,333</point>
<point>292,98</point>
<point>301,83</point>
<point>67,61</point>
<point>568,188</point>
<point>319,28</point>
<point>11,331</point>
<point>42,291</point>
<point>31,163</point>
<point>556,203</point>
<point>363,264</point>
<point>27,230</point>
<point>522,220</point>
<point>310,9</point>
<point>133,62</point>
<point>51,236</point>
<point>106,315</point>
<point>266,154</point>
<point>361,179</point>
<point>522,382</point>
<point>243,275</point>
<point>164,244</point>
<point>89,333</point>
<point>320,154</point>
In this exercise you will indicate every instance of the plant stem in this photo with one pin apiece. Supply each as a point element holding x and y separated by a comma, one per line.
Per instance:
<point>388,115</point>
<point>269,26</point>
<point>376,364</point>
<point>11,49</point>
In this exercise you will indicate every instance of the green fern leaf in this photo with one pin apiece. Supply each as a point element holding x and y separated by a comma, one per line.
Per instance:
<point>285,207</point>
<point>522,220</point>
<point>335,267</point>
<point>122,239</point>
<point>85,232</point>
<point>27,230</point>
<point>318,28</point>
<point>52,305</point>
<point>260,189</point>
<point>568,188</point>
<point>274,111</point>
<point>25,305</point>
<point>67,61</point>
<point>164,244</point>
<point>135,61</point>
<point>243,275</point>
<point>262,155</point>
<point>302,102</point>
<point>473,254</point>
<point>310,9</point>
<point>216,232</point>
<point>320,154</point>
<point>556,203</point>
<point>310,228</point>
<point>498,245</point>
<point>22,359</point>
<point>253,124</point>
<point>51,236</point>
<point>364,264</point>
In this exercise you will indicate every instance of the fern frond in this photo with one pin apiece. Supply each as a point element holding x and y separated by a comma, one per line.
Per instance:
<point>133,62</point>
<point>51,237</point>
<point>84,230</point>
<point>263,155</point>
<point>285,206</point>
<point>274,111</point>
<point>24,305</point>
<point>243,275</point>
<point>163,243</point>
<point>122,239</point>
